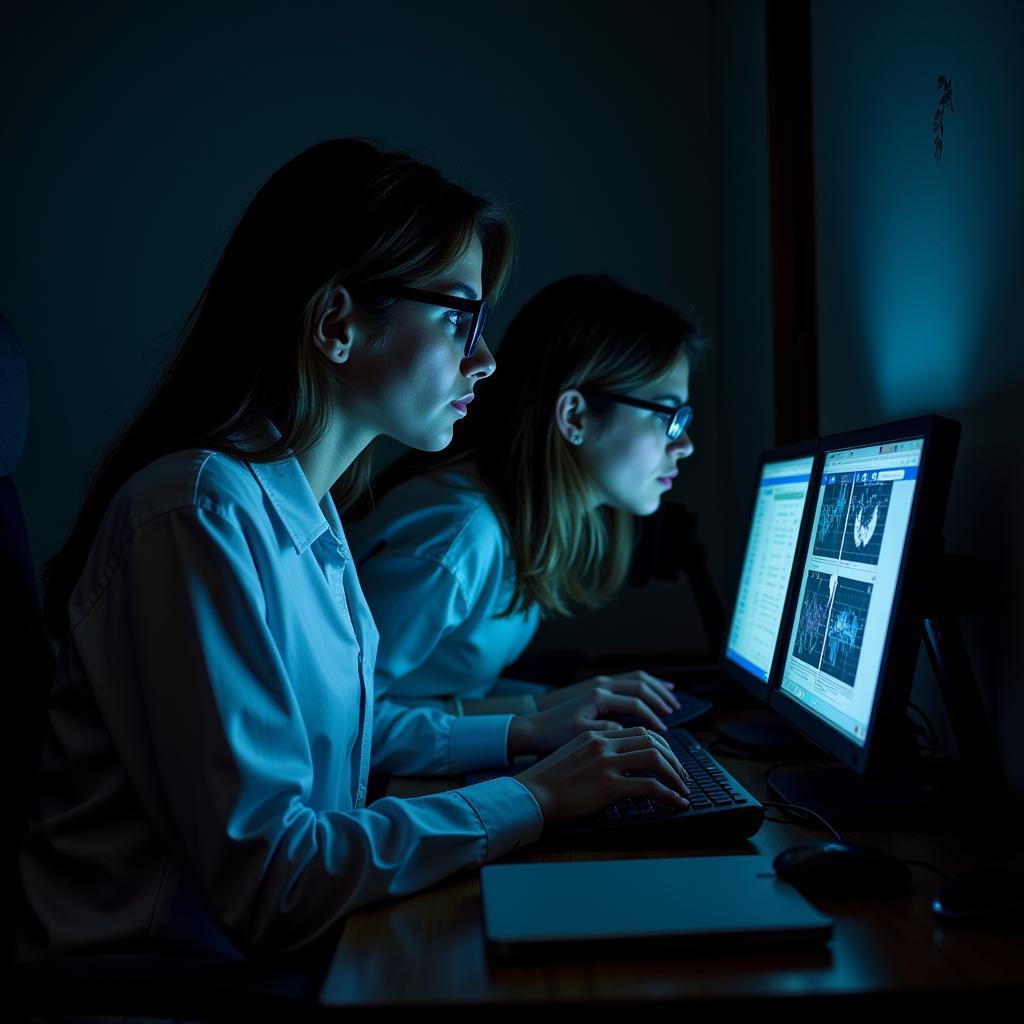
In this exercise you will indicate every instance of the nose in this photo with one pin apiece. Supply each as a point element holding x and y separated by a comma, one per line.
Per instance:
<point>480,364</point>
<point>681,447</point>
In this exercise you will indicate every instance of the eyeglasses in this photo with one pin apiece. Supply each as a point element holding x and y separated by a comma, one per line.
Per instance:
<point>478,307</point>
<point>679,416</point>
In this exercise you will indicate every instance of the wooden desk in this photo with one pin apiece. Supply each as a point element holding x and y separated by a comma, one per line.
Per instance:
<point>429,948</point>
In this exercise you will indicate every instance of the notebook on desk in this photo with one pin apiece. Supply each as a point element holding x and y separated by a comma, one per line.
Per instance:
<point>644,907</point>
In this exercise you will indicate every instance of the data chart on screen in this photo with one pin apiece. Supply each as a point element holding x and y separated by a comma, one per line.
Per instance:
<point>848,580</point>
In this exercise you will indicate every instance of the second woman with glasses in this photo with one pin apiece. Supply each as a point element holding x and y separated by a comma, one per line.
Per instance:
<point>529,513</point>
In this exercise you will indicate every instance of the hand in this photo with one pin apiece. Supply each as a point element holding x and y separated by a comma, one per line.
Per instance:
<point>655,693</point>
<point>544,731</point>
<point>597,769</point>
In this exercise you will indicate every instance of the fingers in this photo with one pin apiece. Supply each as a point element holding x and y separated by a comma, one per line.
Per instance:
<point>662,688</point>
<point>620,704</point>
<point>656,762</point>
<point>603,726</point>
<point>631,740</point>
<point>655,692</point>
<point>638,787</point>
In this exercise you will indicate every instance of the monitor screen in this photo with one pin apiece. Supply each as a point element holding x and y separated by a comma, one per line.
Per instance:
<point>847,583</point>
<point>768,564</point>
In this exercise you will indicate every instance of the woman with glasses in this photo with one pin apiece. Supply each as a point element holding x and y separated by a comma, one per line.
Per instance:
<point>530,512</point>
<point>212,723</point>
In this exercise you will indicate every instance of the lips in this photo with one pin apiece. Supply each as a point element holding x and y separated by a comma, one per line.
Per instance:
<point>459,404</point>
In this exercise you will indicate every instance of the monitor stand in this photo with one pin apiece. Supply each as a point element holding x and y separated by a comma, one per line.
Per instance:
<point>914,791</point>
<point>920,787</point>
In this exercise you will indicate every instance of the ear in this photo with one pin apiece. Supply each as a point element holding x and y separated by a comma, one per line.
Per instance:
<point>336,326</point>
<point>571,414</point>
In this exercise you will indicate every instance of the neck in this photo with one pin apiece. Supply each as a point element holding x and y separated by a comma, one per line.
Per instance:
<point>325,462</point>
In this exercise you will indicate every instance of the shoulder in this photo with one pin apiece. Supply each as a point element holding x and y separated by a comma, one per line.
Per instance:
<point>184,481</point>
<point>444,518</point>
<point>169,490</point>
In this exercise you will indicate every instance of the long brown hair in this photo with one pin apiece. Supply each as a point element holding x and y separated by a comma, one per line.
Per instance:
<point>341,213</point>
<point>585,331</point>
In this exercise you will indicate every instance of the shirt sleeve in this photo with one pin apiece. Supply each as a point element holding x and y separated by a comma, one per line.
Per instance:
<point>416,602</point>
<point>207,722</point>
<point>428,741</point>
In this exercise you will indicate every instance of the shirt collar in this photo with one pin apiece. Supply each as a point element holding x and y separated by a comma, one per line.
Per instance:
<point>288,490</point>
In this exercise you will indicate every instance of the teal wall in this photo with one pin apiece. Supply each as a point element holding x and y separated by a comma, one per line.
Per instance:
<point>134,137</point>
<point>133,140</point>
<point>921,274</point>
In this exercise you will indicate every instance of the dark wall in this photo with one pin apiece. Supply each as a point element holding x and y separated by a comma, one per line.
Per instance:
<point>133,139</point>
<point>921,273</point>
<point>744,274</point>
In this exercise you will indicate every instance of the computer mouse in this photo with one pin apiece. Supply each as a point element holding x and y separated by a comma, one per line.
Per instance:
<point>827,867</point>
<point>989,896</point>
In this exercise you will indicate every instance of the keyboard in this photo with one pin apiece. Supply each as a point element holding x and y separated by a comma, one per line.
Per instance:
<point>720,808</point>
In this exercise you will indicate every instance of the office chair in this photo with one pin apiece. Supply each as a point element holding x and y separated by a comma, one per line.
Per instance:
<point>25,652</point>
<point>193,988</point>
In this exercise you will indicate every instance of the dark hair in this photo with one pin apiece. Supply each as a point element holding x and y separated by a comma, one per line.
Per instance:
<point>579,332</point>
<point>341,213</point>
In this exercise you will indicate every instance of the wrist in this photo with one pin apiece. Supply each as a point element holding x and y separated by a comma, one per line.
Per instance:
<point>546,700</point>
<point>521,736</point>
<point>541,794</point>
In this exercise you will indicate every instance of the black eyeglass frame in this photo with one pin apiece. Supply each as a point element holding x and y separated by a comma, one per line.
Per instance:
<point>478,307</point>
<point>680,416</point>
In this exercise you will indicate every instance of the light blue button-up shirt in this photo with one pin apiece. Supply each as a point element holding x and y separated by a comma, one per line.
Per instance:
<point>212,730</point>
<point>437,571</point>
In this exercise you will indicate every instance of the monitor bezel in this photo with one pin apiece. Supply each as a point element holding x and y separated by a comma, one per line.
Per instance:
<point>884,736</point>
<point>760,689</point>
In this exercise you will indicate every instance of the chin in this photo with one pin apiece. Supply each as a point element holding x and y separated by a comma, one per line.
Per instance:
<point>423,441</point>
<point>637,508</point>
<point>436,442</point>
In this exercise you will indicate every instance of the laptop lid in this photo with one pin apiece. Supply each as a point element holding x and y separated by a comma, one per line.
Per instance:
<point>655,904</point>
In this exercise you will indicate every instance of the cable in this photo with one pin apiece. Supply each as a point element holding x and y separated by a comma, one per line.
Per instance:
<point>931,867</point>
<point>796,809</point>
<point>932,739</point>
<point>925,747</point>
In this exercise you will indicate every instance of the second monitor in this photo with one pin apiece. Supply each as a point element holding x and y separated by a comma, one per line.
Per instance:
<point>852,635</point>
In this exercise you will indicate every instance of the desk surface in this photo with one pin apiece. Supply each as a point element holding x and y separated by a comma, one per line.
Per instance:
<point>429,948</point>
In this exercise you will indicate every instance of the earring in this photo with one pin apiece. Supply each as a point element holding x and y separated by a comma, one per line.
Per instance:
<point>576,438</point>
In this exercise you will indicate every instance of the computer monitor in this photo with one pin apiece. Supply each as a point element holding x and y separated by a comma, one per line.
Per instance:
<point>779,514</point>
<point>852,634</point>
